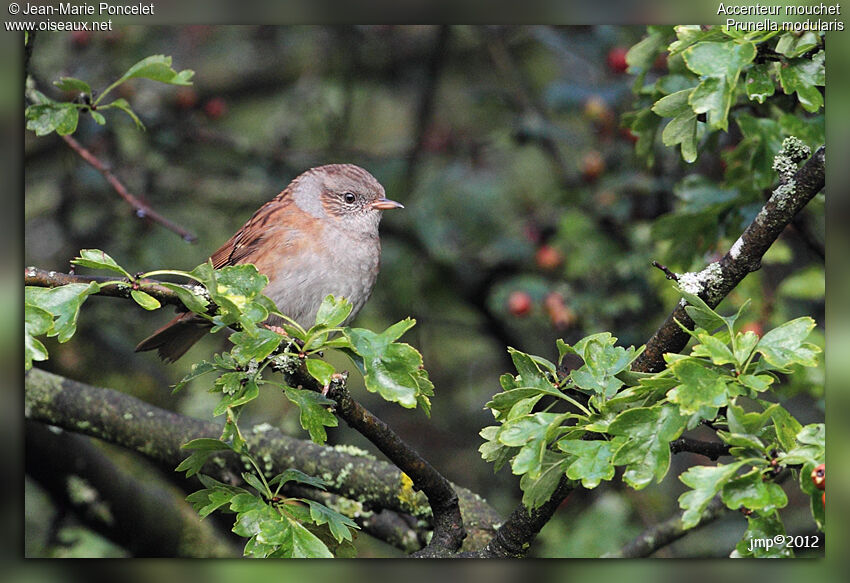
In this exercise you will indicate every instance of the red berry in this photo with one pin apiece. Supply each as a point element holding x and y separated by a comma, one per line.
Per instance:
<point>215,108</point>
<point>819,477</point>
<point>592,165</point>
<point>560,315</point>
<point>80,38</point>
<point>186,98</point>
<point>519,303</point>
<point>628,134</point>
<point>617,59</point>
<point>547,257</point>
<point>823,500</point>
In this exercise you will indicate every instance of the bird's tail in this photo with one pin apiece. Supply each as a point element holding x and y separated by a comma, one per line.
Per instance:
<point>175,338</point>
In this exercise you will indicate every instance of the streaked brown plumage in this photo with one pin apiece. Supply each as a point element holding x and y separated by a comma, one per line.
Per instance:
<point>317,237</point>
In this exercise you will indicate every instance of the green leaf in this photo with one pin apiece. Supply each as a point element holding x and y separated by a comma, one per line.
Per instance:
<point>759,85</point>
<point>63,303</point>
<point>700,386</point>
<point>202,449</point>
<point>146,301</point>
<point>649,431</point>
<point>537,489</point>
<point>785,345</point>
<point>206,501</point>
<point>758,383</point>
<point>706,482</point>
<point>753,493</point>
<point>339,525</point>
<point>392,369</point>
<point>786,427</point>
<point>682,129</point>
<point>194,302</point>
<point>45,118</point>
<point>760,540</point>
<point>293,475</point>
<point>303,544</point>
<point>700,313</point>
<point>502,403</point>
<point>792,45</point>
<point>803,76</point>
<point>714,349</point>
<point>314,415</point>
<point>641,56</point>
<point>719,59</point>
<point>593,462</point>
<point>255,483</point>
<point>333,312</point>
<point>97,259</point>
<point>320,370</point>
<point>157,68</point>
<point>198,369</point>
<point>719,64</point>
<point>73,85</point>
<point>602,362</point>
<point>124,106</point>
<point>37,321</point>
<point>713,96</point>
<point>254,346</point>
<point>673,104</point>
<point>97,117</point>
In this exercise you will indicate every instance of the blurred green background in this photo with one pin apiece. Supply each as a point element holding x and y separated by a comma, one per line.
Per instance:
<point>528,218</point>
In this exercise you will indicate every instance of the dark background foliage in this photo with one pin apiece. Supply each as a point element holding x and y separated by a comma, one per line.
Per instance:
<point>529,218</point>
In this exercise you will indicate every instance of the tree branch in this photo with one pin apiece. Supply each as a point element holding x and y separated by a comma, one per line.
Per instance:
<point>158,434</point>
<point>718,279</point>
<point>669,531</point>
<point>710,449</point>
<point>108,499</point>
<point>140,209</point>
<point>516,534</point>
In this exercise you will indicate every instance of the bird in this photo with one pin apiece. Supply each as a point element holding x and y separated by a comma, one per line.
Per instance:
<point>319,236</point>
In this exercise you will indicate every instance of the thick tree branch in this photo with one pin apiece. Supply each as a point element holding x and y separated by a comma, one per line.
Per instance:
<point>150,518</point>
<point>159,434</point>
<point>718,279</point>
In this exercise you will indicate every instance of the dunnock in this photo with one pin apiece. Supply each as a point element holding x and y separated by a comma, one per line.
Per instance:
<point>317,237</point>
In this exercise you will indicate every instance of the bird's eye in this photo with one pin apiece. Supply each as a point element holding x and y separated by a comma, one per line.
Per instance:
<point>349,197</point>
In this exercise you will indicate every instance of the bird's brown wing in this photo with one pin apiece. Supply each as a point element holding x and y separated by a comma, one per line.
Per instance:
<point>248,238</point>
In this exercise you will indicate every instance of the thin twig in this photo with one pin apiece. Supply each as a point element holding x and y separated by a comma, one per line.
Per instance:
<point>669,274</point>
<point>140,209</point>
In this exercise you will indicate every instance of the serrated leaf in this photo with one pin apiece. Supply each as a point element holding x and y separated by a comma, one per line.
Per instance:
<point>759,539</point>
<point>391,369</point>
<point>72,85</point>
<point>293,475</point>
<point>157,68</point>
<point>537,489</point>
<point>758,84</point>
<point>202,449</point>
<point>706,482</point>
<point>699,386</point>
<point>593,461</point>
<point>254,482</point>
<point>206,501</point>
<point>97,259</point>
<point>673,104</point>
<point>333,312</point>
<point>339,525</point>
<point>503,403</point>
<point>753,493</point>
<point>785,345</point>
<point>314,416</point>
<point>45,118</point>
<point>303,544</point>
<point>803,76</point>
<point>714,349</point>
<point>63,303</point>
<point>254,346</point>
<point>37,321</point>
<point>682,129</point>
<point>649,431</point>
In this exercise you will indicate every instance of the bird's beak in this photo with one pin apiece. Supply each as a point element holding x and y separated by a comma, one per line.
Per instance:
<point>385,204</point>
